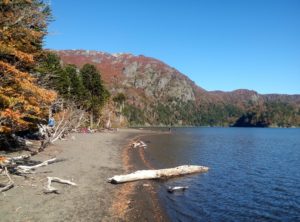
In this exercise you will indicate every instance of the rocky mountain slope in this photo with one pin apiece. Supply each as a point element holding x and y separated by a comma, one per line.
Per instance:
<point>157,94</point>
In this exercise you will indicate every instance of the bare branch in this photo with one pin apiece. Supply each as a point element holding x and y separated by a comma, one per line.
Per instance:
<point>10,184</point>
<point>28,169</point>
<point>50,189</point>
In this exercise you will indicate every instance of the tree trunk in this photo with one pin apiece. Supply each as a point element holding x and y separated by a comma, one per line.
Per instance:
<point>91,120</point>
<point>156,174</point>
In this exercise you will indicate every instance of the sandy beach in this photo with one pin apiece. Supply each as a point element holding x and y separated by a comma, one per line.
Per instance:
<point>88,160</point>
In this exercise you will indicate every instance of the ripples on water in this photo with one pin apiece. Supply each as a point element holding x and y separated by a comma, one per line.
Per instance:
<point>254,173</point>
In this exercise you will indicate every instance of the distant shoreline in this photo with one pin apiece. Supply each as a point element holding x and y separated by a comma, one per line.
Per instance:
<point>188,126</point>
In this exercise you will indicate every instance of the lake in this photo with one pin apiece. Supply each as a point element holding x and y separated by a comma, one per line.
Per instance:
<point>254,173</point>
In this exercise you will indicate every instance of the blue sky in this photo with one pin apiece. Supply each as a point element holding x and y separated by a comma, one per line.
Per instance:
<point>221,45</point>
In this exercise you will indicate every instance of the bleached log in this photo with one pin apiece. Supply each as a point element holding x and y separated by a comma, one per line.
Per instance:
<point>10,184</point>
<point>177,188</point>
<point>156,174</point>
<point>50,189</point>
<point>27,169</point>
<point>139,144</point>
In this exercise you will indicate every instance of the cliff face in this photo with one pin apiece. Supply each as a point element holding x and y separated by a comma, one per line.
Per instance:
<point>159,94</point>
<point>148,76</point>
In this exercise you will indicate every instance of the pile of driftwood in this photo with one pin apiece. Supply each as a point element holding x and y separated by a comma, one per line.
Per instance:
<point>69,120</point>
<point>13,165</point>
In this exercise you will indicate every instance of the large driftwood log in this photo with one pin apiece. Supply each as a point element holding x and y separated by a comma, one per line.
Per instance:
<point>156,174</point>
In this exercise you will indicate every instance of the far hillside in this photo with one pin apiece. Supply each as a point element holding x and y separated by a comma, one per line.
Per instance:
<point>159,95</point>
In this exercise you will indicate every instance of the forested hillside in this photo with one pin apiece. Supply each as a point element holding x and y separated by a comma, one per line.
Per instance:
<point>157,94</point>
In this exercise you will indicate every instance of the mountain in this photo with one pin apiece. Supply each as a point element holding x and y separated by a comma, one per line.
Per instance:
<point>157,94</point>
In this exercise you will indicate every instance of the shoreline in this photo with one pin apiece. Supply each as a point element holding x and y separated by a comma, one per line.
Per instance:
<point>86,159</point>
<point>138,201</point>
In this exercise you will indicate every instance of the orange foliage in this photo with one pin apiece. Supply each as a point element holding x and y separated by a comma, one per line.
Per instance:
<point>22,101</point>
<point>3,160</point>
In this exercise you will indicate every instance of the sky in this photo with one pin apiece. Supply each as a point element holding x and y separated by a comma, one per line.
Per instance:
<point>219,44</point>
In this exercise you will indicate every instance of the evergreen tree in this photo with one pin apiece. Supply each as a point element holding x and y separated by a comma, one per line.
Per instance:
<point>52,75</point>
<point>96,93</point>
<point>63,84</point>
<point>48,69</point>
<point>77,89</point>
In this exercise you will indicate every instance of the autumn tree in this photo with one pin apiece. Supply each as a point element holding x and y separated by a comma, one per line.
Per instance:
<point>23,102</point>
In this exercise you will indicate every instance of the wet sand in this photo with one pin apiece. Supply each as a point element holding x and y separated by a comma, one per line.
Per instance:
<point>88,160</point>
<point>139,199</point>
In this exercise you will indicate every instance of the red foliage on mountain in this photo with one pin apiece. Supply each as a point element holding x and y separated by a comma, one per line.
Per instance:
<point>148,82</point>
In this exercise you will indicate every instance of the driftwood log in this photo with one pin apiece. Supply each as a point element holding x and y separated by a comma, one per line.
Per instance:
<point>157,174</point>
<point>177,188</point>
<point>139,144</point>
<point>29,169</point>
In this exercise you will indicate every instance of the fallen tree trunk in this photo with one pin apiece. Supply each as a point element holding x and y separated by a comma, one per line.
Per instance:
<point>157,174</point>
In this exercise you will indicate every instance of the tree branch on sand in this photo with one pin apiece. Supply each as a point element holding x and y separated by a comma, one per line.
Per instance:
<point>28,169</point>
<point>10,183</point>
<point>13,164</point>
<point>50,189</point>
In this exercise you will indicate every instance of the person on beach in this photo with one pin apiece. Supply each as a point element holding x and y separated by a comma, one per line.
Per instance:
<point>51,122</point>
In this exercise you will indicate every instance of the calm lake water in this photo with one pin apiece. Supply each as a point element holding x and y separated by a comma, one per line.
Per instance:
<point>254,173</point>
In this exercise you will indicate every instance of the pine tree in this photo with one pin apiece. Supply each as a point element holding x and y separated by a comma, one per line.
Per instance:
<point>23,103</point>
<point>77,89</point>
<point>96,92</point>
<point>48,70</point>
